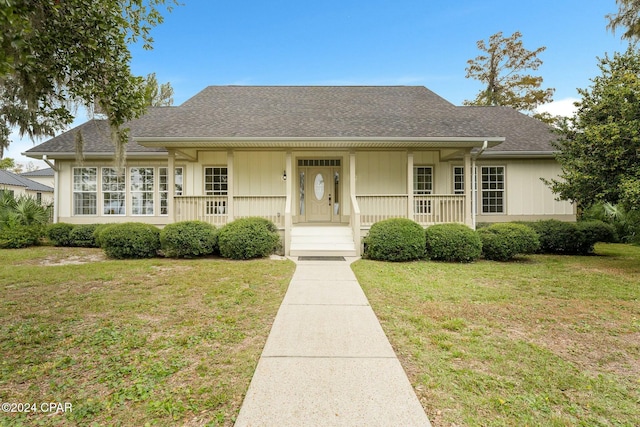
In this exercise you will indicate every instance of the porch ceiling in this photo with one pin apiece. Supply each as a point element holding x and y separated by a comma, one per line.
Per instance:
<point>432,142</point>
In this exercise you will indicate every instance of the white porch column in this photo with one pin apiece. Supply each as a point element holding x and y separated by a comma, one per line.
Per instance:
<point>288,223</point>
<point>355,209</point>
<point>468,191</point>
<point>230,189</point>
<point>410,185</point>
<point>171,186</point>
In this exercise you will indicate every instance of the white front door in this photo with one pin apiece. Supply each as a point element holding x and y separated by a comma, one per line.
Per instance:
<point>319,194</point>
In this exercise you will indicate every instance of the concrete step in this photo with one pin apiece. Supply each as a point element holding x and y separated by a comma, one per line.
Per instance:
<point>322,241</point>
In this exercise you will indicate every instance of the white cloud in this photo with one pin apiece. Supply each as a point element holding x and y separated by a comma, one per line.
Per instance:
<point>562,107</point>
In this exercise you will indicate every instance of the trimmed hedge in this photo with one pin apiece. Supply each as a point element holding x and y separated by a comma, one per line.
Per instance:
<point>188,239</point>
<point>130,240</point>
<point>247,238</point>
<point>598,231</point>
<point>97,233</point>
<point>20,236</point>
<point>396,239</point>
<point>502,242</point>
<point>82,236</point>
<point>558,237</point>
<point>60,233</point>
<point>452,243</point>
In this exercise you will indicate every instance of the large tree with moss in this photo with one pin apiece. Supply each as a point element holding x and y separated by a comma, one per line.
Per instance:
<point>599,148</point>
<point>503,69</point>
<point>57,55</point>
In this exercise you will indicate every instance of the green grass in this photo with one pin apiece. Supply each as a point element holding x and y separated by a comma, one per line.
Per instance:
<point>543,341</point>
<point>159,341</point>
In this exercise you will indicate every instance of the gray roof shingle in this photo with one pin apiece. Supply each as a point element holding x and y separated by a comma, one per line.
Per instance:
<point>39,172</point>
<point>315,112</point>
<point>10,178</point>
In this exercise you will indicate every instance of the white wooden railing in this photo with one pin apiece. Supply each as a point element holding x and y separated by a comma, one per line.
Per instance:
<point>211,209</point>
<point>215,209</point>
<point>269,207</point>
<point>427,210</point>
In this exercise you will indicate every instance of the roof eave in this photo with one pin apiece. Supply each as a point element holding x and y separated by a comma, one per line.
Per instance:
<point>519,154</point>
<point>94,155</point>
<point>317,142</point>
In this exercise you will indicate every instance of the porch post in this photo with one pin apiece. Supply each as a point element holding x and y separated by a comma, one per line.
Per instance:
<point>410,185</point>
<point>288,223</point>
<point>468,191</point>
<point>355,209</point>
<point>230,189</point>
<point>171,186</point>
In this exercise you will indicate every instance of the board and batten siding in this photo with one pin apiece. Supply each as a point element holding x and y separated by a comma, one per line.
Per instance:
<point>528,198</point>
<point>381,172</point>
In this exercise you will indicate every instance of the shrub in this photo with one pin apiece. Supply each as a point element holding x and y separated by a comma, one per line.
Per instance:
<point>396,239</point>
<point>82,236</point>
<point>559,237</point>
<point>130,240</point>
<point>452,243</point>
<point>598,231</point>
<point>502,242</point>
<point>97,233</point>
<point>247,238</point>
<point>20,236</point>
<point>60,233</point>
<point>188,239</point>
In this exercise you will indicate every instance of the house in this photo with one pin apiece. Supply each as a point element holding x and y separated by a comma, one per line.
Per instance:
<point>322,163</point>
<point>20,186</point>
<point>44,176</point>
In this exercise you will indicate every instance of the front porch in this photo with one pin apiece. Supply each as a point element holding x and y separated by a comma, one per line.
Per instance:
<point>365,211</point>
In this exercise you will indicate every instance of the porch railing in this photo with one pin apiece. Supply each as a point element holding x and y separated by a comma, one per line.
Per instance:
<point>215,209</point>
<point>427,210</point>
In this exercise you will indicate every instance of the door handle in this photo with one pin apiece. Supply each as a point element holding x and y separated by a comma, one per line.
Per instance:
<point>329,199</point>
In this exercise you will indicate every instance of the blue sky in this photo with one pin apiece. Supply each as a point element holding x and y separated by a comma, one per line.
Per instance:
<point>374,42</point>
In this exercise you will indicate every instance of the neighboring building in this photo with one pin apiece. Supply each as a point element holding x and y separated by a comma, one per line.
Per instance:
<point>43,176</point>
<point>343,157</point>
<point>20,186</point>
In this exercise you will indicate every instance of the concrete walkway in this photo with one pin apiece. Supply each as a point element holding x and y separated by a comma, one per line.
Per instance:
<point>327,361</point>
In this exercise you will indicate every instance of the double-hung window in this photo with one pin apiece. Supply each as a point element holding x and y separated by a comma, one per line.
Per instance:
<point>458,180</point>
<point>142,190</point>
<point>422,185</point>
<point>113,191</point>
<point>85,191</point>
<point>163,187</point>
<point>492,189</point>
<point>216,184</point>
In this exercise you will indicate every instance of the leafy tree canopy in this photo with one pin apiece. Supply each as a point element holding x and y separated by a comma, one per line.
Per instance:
<point>57,55</point>
<point>502,69</point>
<point>599,148</point>
<point>628,17</point>
<point>156,94</point>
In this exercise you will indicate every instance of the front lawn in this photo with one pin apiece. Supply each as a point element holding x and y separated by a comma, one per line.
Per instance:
<point>544,341</point>
<point>159,341</point>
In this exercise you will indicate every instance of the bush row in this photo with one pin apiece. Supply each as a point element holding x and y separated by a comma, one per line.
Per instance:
<point>241,239</point>
<point>404,240</point>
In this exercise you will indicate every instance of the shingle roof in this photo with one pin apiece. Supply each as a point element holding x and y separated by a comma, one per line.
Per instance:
<point>10,178</point>
<point>39,172</point>
<point>315,112</point>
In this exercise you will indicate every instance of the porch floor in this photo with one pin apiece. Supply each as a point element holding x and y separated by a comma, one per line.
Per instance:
<point>322,240</point>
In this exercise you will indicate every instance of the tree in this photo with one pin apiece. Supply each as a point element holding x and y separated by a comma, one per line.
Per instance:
<point>599,148</point>
<point>57,55</point>
<point>157,95</point>
<point>502,69</point>
<point>7,164</point>
<point>628,16</point>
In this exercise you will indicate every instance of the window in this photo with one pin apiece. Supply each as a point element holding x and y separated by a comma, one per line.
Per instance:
<point>142,191</point>
<point>492,189</point>
<point>113,191</point>
<point>458,180</point>
<point>422,185</point>
<point>163,187</point>
<point>215,181</point>
<point>85,191</point>
<point>179,181</point>
<point>4,191</point>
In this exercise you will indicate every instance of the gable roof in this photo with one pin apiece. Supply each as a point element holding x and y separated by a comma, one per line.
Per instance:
<point>311,112</point>
<point>15,180</point>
